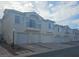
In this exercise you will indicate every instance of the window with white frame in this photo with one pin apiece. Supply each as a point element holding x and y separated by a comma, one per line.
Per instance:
<point>17,19</point>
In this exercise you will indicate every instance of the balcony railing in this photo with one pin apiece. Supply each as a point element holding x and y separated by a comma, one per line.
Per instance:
<point>67,33</point>
<point>33,26</point>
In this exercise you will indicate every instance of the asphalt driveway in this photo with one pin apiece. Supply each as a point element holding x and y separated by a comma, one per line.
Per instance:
<point>68,52</point>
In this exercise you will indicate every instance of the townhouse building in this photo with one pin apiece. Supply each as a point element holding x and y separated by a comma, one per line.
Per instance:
<point>29,27</point>
<point>26,27</point>
<point>63,33</point>
<point>75,35</point>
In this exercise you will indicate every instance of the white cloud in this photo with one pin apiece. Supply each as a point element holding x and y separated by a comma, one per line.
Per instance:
<point>42,8</point>
<point>75,21</point>
<point>17,5</point>
<point>63,12</point>
<point>22,7</point>
<point>51,5</point>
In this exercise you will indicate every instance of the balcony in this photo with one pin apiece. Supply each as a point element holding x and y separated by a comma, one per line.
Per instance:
<point>67,33</point>
<point>33,27</point>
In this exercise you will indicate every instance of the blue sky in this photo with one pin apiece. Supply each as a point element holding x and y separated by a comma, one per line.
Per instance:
<point>62,12</point>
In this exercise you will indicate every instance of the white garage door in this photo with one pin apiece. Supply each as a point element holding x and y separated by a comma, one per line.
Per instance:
<point>34,37</point>
<point>21,39</point>
<point>49,38</point>
<point>44,38</point>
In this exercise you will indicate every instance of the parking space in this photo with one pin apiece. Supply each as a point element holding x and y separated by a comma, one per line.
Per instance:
<point>43,48</point>
<point>55,46</point>
<point>76,43</point>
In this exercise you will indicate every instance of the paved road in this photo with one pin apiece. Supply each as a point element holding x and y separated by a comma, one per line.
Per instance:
<point>68,52</point>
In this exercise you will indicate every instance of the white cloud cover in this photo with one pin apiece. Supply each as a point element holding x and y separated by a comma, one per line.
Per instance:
<point>59,13</point>
<point>63,11</point>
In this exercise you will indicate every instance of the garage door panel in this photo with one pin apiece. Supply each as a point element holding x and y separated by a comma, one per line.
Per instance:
<point>34,37</point>
<point>21,39</point>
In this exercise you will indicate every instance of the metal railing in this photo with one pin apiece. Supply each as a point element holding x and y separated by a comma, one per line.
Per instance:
<point>36,26</point>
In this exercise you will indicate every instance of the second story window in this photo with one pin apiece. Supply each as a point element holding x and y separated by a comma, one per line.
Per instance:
<point>17,19</point>
<point>58,29</point>
<point>49,25</point>
<point>32,23</point>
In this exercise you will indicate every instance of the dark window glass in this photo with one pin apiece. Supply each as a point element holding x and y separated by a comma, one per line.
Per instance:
<point>17,19</point>
<point>32,23</point>
<point>49,25</point>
